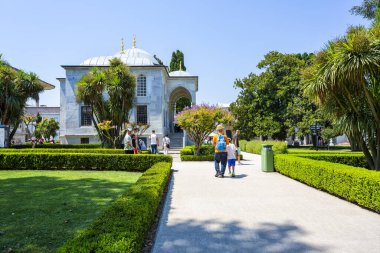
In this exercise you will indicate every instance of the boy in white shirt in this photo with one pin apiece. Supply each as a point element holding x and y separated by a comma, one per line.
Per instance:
<point>231,158</point>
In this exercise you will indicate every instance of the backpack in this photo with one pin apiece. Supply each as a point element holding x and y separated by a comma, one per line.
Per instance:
<point>221,144</point>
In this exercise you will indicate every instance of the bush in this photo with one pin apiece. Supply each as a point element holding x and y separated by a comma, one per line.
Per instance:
<point>197,158</point>
<point>356,160</point>
<point>63,150</point>
<point>255,146</point>
<point>124,226</point>
<point>70,161</point>
<point>243,144</point>
<point>357,185</point>
<point>68,150</point>
<point>59,146</point>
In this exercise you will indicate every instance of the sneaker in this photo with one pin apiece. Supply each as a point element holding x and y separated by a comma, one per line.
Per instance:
<point>220,176</point>
<point>233,174</point>
<point>217,174</point>
<point>229,173</point>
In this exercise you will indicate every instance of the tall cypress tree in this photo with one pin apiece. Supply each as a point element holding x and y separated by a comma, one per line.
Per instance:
<point>178,61</point>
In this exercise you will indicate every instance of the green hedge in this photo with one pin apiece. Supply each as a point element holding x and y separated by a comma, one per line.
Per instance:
<point>197,158</point>
<point>124,226</point>
<point>357,185</point>
<point>356,160</point>
<point>69,161</point>
<point>48,145</point>
<point>68,150</point>
<point>255,146</point>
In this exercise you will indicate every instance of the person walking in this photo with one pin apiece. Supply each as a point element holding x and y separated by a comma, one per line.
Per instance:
<point>128,148</point>
<point>166,144</point>
<point>154,142</point>
<point>134,141</point>
<point>142,144</point>
<point>231,158</point>
<point>235,140</point>
<point>220,142</point>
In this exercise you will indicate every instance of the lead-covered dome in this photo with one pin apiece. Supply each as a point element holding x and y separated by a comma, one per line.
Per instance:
<point>132,57</point>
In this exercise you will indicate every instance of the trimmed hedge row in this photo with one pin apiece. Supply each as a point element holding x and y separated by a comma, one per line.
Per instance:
<point>207,153</point>
<point>68,150</point>
<point>124,226</point>
<point>255,146</point>
<point>357,185</point>
<point>356,160</point>
<point>69,161</point>
<point>48,145</point>
<point>197,158</point>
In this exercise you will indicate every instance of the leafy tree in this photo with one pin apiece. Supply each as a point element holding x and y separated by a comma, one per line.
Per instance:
<point>178,61</point>
<point>16,87</point>
<point>181,104</point>
<point>367,9</point>
<point>272,103</point>
<point>46,128</point>
<point>345,81</point>
<point>200,120</point>
<point>110,93</point>
<point>28,120</point>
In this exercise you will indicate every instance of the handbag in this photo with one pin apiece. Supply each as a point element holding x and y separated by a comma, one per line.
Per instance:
<point>168,145</point>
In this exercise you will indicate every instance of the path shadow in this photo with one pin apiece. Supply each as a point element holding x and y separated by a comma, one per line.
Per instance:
<point>196,236</point>
<point>238,176</point>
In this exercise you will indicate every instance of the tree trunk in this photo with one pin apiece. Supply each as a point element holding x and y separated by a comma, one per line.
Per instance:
<point>12,133</point>
<point>355,143</point>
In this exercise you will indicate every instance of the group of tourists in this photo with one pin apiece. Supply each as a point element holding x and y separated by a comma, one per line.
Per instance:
<point>226,151</point>
<point>132,146</point>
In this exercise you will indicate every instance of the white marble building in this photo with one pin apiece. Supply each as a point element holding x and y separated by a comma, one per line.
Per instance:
<point>157,91</point>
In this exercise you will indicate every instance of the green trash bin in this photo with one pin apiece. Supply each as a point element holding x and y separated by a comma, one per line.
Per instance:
<point>267,158</point>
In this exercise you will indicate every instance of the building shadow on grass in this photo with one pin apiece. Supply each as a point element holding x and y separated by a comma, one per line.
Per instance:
<point>39,213</point>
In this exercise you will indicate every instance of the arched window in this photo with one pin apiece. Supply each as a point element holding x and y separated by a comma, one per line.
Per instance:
<point>141,86</point>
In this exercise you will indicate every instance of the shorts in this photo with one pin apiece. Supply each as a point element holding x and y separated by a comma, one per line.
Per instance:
<point>231,162</point>
<point>238,151</point>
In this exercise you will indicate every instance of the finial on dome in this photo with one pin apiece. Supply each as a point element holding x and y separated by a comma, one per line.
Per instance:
<point>134,41</point>
<point>122,45</point>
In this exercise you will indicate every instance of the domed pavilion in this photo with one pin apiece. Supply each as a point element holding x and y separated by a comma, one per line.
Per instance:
<point>157,91</point>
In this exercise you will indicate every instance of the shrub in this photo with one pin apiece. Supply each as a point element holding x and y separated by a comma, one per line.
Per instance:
<point>197,158</point>
<point>68,150</point>
<point>124,226</point>
<point>357,185</point>
<point>187,151</point>
<point>356,160</point>
<point>59,146</point>
<point>70,161</point>
<point>243,144</point>
<point>255,147</point>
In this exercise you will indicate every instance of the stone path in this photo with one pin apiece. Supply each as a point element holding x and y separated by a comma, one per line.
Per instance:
<point>258,212</point>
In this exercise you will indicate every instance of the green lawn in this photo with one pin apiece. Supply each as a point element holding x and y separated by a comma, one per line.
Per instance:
<point>40,210</point>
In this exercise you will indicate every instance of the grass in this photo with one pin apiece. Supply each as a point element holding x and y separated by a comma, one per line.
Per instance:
<point>40,210</point>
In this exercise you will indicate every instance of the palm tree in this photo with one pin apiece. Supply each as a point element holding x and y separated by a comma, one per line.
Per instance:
<point>110,93</point>
<point>345,80</point>
<point>16,87</point>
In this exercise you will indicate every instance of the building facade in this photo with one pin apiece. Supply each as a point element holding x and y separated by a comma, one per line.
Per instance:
<point>157,91</point>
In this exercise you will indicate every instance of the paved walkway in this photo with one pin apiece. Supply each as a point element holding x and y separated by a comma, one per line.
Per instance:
<point>258,212</point>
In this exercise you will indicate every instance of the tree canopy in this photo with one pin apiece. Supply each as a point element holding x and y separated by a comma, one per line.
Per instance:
<point>367,9</point>
<point>110,93</point>
<point>344,80</point>
<point>272,104</point>
<point>16,87</point>
<point>178,61</point>
<point>201,120</point>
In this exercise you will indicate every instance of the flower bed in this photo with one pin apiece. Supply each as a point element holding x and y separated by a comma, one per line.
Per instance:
<point>125,224</point>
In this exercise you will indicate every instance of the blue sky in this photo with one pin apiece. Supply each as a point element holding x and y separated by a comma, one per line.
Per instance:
<point>221,40</point>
